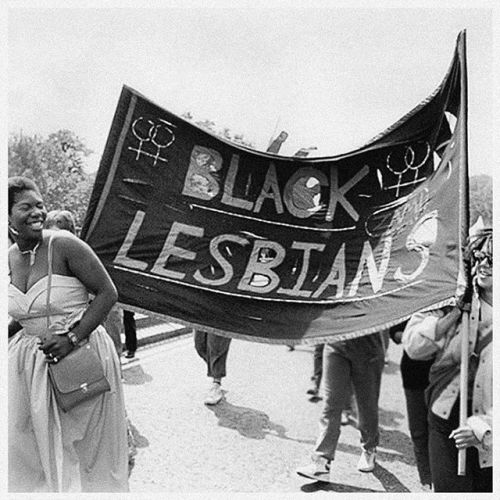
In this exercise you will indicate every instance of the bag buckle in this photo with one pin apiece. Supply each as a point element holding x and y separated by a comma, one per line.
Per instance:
<point>84,387</point>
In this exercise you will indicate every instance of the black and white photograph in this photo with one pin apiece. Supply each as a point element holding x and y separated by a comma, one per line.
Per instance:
<point>250,248</point>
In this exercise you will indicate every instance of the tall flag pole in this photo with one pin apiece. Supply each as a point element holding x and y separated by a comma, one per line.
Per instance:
<point>464,208</point>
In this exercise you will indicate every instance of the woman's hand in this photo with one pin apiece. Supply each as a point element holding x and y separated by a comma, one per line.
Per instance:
<point>464,437</point>
<point>55,347</point>
<point>445,324</point>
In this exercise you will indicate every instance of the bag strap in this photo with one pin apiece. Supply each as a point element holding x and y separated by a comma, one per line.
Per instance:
<point>482,343</point>
<point>49,281</point>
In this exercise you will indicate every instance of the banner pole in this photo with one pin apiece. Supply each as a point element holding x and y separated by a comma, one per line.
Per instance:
<point>464,377</point>
<point>464,364</point>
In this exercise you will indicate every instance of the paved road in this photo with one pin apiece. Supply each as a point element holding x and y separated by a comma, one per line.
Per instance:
<point>253,440</point>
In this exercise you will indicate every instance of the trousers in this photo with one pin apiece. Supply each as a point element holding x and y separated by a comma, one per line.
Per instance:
<point>443,456</point>
<point>358,362</point>
<point>213,349</point>
<point>318,363</point>
<point>130,329</point>
<point>416,409</point>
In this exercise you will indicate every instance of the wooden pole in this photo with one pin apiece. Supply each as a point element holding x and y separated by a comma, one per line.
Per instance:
<point>464,364</point>
<point>464,378</point>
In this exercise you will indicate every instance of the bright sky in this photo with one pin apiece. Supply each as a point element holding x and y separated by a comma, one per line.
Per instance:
<point>332,77</point>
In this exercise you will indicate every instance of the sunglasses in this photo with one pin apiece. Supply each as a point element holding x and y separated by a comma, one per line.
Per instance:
<point>479,256</point>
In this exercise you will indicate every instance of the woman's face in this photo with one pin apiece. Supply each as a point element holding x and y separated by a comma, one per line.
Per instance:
<point>484,268</point>
<point>28,214</point>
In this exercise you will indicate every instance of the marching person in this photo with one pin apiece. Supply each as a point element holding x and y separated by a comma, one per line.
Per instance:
<point>439,331</point>
<point>358,362</point>
<point>415,378</point>
<point>213,349</point>
<point>85,448</point>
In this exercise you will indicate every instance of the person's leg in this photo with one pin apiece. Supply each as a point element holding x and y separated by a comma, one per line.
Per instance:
<point>349,411</point>
<point>318,363</point>
<point>130,331</point>
<point>443,455</point>
<point>416,409</point>
<point>213,350</point>
<point>217,350</point>
<point>200,344</point>
<point>366,355</point>
<point>336,383</point>
<point>317,369</point>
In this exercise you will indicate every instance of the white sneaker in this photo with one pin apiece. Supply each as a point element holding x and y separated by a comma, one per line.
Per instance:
<point>367,460</point>
<point>214,395</point>
<point>317,470</point>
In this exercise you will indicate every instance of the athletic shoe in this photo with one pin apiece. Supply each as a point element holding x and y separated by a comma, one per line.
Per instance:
<point>367,460</point>
<point>130,354</point>
<point>214,395</point>
<point>317,470</point>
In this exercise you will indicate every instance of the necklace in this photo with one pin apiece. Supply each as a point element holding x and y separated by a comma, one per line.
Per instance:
<point>32,253</point>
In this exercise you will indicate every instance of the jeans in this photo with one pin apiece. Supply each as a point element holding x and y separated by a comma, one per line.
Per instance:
<point>443,456</point>
<point>416,409</point>
<point>213,350</point>
<point>358,362</point>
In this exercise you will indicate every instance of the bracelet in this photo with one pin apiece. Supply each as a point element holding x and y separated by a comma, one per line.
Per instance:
<point>75,341</point>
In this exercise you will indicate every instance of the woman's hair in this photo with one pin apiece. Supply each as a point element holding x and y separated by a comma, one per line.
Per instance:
<point>480,239</point>
<point>66,221</point>
<point>17,185</point>
<point>61,219</point>
<point>50,220</point>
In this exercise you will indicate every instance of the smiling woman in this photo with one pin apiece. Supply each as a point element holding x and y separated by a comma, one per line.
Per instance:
<point>26,216</point>
<point>85,448</point>
<point>438,333</point>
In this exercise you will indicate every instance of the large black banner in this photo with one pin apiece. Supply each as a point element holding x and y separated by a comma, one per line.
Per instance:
<point>283,249</point>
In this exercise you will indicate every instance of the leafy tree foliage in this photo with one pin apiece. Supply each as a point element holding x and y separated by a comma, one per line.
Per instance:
<point>56,164</point>
<point>481,198</point>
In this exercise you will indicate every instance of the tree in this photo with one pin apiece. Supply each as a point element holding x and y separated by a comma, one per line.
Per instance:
<point>56,164</point>
<point>481,198</point>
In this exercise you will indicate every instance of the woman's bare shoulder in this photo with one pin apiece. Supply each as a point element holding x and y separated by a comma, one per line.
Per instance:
<point>64,241</point>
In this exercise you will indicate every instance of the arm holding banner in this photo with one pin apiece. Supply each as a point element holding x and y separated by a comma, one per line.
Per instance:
<point>425,332</point>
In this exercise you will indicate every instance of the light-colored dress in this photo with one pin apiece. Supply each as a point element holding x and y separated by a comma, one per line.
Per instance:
<point>84,449</point>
